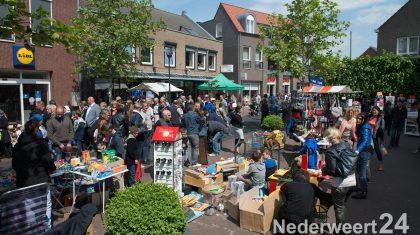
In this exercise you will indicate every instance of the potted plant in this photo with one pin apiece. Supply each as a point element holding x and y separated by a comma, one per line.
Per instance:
<point>272,123</point>
<point>145,209</point>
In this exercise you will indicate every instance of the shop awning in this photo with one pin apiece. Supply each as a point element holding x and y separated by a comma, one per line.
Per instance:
<point>327,89</point>
<point>221,83</point>
<point>156,87</point>
<point>105,85</point>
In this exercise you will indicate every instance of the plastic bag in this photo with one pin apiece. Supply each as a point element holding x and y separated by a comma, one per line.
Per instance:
<point>383,150</point>
<point>139,172</point>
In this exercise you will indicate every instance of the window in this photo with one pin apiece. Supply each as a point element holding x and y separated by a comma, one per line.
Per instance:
<point>146,56</point>
<point>201,60</point>
<point>250,24</point>
<point>258,59</point>
<point>190,58</point>
<point>298,86</point>
<point>46,5</point>
<point>246,57</point>
<point>212,61</point>
<point>219,30</point>
<point>131,51</point>
<point>4,34</point>
<point>408,46</point>
<point>170,59</point>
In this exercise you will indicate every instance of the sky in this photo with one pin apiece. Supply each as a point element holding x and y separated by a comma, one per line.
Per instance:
<point>365,16</point>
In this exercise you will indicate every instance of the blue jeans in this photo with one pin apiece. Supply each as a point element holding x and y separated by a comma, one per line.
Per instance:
<point>217,143</point>
<point>144,146</point>
<point>131,174</point>
<point>362,164</point>
<point>395,135</point>
<point>194,143</point>
<point>79,147</point>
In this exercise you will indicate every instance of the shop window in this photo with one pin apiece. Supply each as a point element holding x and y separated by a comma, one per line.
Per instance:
<point>258,59</point>
<point>212,61</point>
<point>246,57</point>
<point>146,56</point>
<point>189,58</point>
<point>170,55</point>
<point>201,60</point>
<point>5,34</point>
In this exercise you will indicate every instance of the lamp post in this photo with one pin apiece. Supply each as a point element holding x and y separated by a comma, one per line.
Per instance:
<point>169,53</point>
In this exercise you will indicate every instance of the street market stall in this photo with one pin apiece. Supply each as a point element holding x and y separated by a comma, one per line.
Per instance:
<point>156,87</point>
<point>221,83</point>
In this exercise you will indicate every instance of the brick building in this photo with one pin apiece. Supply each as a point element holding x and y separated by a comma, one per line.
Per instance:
<point>44,73</point>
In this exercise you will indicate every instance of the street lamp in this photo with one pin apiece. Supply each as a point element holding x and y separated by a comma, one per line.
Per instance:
<point>169,53</point>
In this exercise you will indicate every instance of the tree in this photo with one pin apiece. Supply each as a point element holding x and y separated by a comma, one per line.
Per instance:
<point>302,42</point>
<point>17,21</point>
<point>106,33</point>
<point>388,73</point>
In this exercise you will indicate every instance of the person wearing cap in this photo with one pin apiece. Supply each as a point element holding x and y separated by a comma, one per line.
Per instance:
<point>60,132</point>
<point>42,132</point>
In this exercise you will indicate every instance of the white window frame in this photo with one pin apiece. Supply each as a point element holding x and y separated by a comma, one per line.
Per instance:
<point>260,60</point>
<point>8,40</point>
<point>214,61</point>
<point>151,57</point>
<point>250,24</point>
<point>249,57</point>
<point>407,49</point>
<point>219,26</point>
<point>133,52</point>
<point>173,58</point>
<point>30,19</point>
<point>204,53</point>
<point>193,58</point>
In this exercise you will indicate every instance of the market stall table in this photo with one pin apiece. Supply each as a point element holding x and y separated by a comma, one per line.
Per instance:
<point>94,181</point>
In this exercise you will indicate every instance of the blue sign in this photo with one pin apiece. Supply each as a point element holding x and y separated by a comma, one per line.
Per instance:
<point>23,57</point>
<point>317,81</point>
<point>26,96</point>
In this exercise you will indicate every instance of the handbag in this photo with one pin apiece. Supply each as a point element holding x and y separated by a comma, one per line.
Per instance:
<point>319,112</point>
<point>383,150</point>
<point>139,172</point>
<point>336,110</point>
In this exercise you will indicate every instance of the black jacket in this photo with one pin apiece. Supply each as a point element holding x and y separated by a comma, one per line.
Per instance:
<point>236,120</point>
<point>4,123</point>
<point>176,118</point>
<point>337,163</point>
<point>299,202</point>
<point>132,151</point>
<point>120,124</point>
<point>398,117</point>
<point>32,161</point>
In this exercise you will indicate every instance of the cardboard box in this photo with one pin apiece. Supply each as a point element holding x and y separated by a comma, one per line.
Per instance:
<point>196,182</point>
<point>227,195</point>
<point>89,230</point>
<point>310,178</point>
<point>232,208</point>
<point>258,216</point>
<point>202,181</point>
<point>119,162</point>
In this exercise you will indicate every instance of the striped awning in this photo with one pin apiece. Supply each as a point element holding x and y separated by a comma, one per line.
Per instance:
<point>327,89</point>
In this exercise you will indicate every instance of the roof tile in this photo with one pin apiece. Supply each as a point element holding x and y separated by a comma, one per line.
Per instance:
<point>234,11</point>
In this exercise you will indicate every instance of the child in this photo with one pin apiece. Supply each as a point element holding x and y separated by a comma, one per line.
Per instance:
<point>270,164</point>
<point>115,141</point>
<point>79,130</point>
<point>185,145</point>
<point>256,172</point>
<point>132,155</point>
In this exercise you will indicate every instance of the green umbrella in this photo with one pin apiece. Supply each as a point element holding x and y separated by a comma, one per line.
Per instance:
<point>221,83</point>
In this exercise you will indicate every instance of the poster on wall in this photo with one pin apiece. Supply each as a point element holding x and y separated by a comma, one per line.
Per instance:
<point>38,95</point>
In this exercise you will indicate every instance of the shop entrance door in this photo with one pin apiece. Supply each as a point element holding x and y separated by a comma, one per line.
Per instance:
<point>31,94</point>
<point>10,102</point>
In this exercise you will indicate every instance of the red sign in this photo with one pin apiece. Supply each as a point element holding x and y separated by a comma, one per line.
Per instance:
<point>165,133</point>
<point>286,79</point>
<point>271,80</point>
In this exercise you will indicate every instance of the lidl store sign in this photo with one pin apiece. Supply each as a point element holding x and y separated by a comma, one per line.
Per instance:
<point>23,57</point>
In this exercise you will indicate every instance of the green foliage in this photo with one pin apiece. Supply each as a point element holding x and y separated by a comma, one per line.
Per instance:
<point>104,32</point>
<point>47,32</point>
<point>272,122</point>
<point>388,73</point>
<point>145,209</point>
<point>303,40</point>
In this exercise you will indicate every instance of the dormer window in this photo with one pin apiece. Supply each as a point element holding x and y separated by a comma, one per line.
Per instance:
<point>250,24</point>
